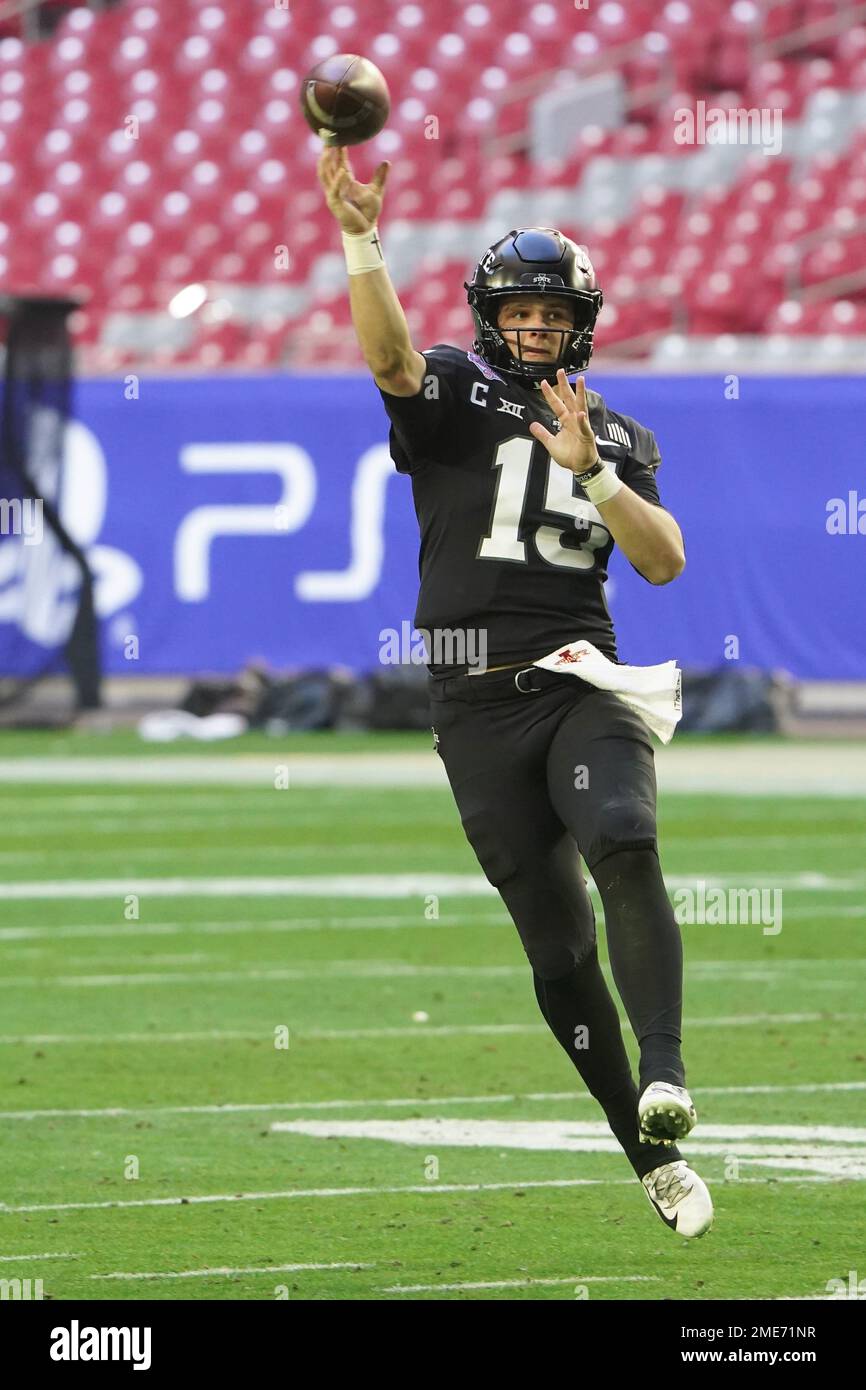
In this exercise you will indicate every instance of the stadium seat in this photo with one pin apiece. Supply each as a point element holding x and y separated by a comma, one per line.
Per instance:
<point>223,162</point>
<point>845,316</point>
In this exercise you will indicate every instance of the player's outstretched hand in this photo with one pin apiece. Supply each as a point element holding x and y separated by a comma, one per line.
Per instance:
<point>355,205</point>
<point>574,446</point>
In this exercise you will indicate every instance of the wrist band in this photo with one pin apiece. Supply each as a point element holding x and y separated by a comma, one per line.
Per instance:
<point>600,483</point>
<point>363,251</point>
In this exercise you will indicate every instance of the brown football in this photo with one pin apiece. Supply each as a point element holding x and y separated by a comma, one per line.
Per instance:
<point>345,99</point>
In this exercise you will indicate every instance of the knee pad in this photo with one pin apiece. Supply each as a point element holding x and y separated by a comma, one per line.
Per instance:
<point>621,824</point>
<point>555,959</point>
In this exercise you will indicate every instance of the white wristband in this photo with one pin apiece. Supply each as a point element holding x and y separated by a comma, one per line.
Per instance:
<point>363,251</point>
<point>602,487</point>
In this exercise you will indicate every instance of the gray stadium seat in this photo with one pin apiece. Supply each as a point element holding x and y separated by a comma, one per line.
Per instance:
<point>562,111</point>
<point>146,332</point>
<point>251,302</point>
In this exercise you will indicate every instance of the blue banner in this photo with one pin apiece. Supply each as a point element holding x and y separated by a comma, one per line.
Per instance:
<point>239,518</point>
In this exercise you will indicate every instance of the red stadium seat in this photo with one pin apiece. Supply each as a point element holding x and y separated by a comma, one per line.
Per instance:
<point>617,22</point>
<point>85,325</point>
<point>517,53</point>
<point>388,51</point>
<point>836,256</point>
<point>845,316</point>
<point>793,318</point>
<point>717,305</point>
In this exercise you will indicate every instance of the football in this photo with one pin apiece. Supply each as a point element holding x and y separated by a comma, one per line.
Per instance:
<point>345,99</point>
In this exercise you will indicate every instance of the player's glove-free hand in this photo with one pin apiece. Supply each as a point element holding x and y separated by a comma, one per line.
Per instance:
<point>574,447</point>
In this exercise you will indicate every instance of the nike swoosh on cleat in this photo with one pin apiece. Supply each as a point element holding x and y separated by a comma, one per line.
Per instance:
<point>668,1220</point>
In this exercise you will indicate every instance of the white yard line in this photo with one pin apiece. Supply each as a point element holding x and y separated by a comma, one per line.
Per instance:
<point>524,1283</point>
<point>353,970</point>
<point>123,931</point>
<point>384,886</point>
<point>234,1269</point>
<point>451,1030</point>
<point>45,828</point>
<point>133,931</point>
<point>115,1112</point>
<point>359,969</point>
<point>32,819</point>
<point>694,974</point>
<point>310,1192</point>
<point>327,886</point>
<point>416,1030</point>
<point>780,769</point>
<point>147,855</point>
<point>232,1108</point>
<point>323,1192</point>
<point>383,769</point>
<point>209,800</point>
<point>104,1039</point>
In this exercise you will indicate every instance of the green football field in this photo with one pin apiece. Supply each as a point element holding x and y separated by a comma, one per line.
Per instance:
<point>264,1041</point>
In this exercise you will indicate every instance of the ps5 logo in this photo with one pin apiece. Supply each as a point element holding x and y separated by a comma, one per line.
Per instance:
<point>200,528</point>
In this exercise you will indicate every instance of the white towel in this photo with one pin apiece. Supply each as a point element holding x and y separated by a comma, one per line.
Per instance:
<point>653,692</point>
<point>166,725</point>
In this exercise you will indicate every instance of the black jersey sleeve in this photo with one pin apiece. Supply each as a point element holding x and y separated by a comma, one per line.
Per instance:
<point>422,425</point>
<point>639,469</point>
<point>641,462</point>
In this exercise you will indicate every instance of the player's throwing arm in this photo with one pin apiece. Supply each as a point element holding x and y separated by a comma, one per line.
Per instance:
<point>377,314</point>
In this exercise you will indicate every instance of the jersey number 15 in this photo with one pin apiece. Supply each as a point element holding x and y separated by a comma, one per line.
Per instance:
<point>513,459</point>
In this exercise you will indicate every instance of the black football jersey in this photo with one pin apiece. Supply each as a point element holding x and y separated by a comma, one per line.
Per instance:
<point>513,554</point>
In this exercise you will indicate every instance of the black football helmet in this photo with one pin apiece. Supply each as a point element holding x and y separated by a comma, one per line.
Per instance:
<point>532,261</point>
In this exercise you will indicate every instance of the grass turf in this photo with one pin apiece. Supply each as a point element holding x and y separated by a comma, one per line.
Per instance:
<point>171,1017</point>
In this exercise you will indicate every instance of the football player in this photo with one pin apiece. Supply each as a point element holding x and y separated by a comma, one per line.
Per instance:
<point>523,481</point>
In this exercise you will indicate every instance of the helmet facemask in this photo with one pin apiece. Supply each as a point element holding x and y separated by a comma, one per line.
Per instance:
<point>574,345</point>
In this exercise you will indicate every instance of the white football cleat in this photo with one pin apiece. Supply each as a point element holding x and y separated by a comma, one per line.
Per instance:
<point>680,1197</point>
<point>665,1113</point>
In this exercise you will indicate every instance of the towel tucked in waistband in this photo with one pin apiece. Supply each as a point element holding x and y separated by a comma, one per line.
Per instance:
<point>653,692</point>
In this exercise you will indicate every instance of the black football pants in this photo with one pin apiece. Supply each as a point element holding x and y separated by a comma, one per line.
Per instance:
<point>540,774</point>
